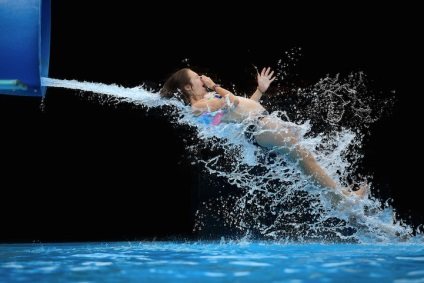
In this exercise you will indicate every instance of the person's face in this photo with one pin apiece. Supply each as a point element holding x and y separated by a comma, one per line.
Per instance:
<point>197,86</point>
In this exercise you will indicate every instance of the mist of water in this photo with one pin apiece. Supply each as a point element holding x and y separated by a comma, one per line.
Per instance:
<point>274,199</point>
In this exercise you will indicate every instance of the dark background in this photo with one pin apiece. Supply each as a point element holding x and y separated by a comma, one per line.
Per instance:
<point>82,167</point>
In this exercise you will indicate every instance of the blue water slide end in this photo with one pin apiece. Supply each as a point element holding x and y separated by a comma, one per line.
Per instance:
<point>24,46</point>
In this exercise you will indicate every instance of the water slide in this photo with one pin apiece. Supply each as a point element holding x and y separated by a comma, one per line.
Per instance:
<point>24,46</point>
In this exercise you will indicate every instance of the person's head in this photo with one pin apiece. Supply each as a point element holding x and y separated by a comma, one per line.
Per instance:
<point>184,84</point>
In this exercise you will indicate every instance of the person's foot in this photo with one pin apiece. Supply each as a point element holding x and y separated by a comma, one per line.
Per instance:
<point>335,196</point>
<point>361,192</point>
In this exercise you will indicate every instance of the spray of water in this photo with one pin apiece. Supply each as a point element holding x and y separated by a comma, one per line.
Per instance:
<point>274,200</point>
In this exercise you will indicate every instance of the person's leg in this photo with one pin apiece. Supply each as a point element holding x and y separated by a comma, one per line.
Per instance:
<point>273,134</point>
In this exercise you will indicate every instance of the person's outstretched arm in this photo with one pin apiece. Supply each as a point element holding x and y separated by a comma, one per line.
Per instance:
<point>265,78</point>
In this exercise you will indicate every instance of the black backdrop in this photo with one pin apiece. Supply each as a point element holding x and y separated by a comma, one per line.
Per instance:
<point>80,167</point>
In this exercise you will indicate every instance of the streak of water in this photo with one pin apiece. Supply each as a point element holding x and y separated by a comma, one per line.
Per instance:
<point>274,199</point>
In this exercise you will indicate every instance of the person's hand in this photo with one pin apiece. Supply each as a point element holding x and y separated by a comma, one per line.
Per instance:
<point>208,82</point>
<point>265,78</point>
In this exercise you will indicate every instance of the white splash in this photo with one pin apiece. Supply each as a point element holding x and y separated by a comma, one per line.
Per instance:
<point>275,200</point>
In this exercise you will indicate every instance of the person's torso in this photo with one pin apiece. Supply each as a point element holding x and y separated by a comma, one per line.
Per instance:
<point>246,109</point>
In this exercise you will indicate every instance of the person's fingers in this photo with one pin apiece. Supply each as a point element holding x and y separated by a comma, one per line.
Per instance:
<point>266,73</point>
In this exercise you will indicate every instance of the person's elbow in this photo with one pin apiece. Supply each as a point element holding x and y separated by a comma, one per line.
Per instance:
<point>236,102</point>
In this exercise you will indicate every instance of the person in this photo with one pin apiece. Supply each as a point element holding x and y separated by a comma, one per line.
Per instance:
<point>221,106</point>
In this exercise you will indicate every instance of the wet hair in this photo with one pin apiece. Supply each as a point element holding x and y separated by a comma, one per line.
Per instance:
<point>174,86</point>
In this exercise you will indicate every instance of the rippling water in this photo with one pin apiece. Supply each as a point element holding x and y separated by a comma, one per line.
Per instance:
<point>210,262</point>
